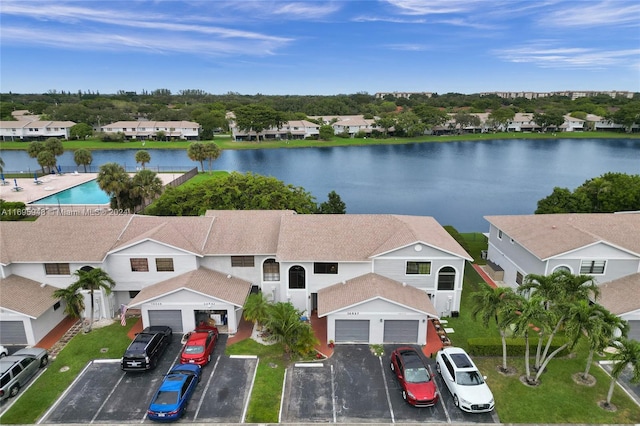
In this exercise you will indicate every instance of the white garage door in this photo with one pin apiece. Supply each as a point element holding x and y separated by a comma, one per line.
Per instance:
<point>12,333</point>
<point>401,331</point>
<point>352,331</point>
<point>172,318</point>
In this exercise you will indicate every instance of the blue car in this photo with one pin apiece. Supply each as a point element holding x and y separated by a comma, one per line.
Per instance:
<point>170,401</point>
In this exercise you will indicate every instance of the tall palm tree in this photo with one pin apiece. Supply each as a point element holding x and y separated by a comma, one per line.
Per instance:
<point>143,157</point>
<point>92,280</point>
<point>211,152</point>
<point>530,311</point>
<point>628,353</point>
<point>74,301</point>
<point>256,308</point>
<point>496,304</point>
<point>197,152</point>
<point>146,185</point>
<point>114,180</point>
<point>34,149</point>
<point>83,157</point>
<point>601,331</point>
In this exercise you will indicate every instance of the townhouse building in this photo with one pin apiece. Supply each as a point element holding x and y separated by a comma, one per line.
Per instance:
<point>376,278</point>
<point>142,130</point>
<point>35,130</point>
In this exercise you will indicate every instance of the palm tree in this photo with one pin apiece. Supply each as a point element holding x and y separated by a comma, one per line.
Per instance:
<point>628,353</point>
<point>143,157</point>
<point>212,152</point>
<point>491,304</point>
<point>92,280</point>
<point>284,323</point>
<point>602,329</point>
<point>83,157</point>
<point>146,185</point>
<point>114,180</point>
<point>256,308</point>
<point>74,301</point>
<point>530,311</point>
<point>47,159</point>
<point>1,165</point>
<point>34,149</point>
<point>197,152</point>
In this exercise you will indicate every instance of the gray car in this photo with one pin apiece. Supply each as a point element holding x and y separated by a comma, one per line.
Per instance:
<point>17,369</point>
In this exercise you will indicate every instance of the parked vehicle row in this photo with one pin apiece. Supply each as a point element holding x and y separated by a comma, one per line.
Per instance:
<point>17,369</point>
<point>460,375</point>
<point>144,352</point>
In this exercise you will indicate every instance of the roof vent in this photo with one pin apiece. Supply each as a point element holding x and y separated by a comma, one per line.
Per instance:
<point>43,285</point>
<point>404,284</point>
<point>553,227</point>
<point>343,282</point>
<point>229,276</point>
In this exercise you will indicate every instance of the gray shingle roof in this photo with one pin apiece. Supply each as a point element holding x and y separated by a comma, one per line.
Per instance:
<point>372,286</point>
<point>548,235</point>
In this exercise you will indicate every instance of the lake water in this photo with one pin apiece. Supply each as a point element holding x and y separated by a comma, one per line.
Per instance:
<point>456,182</point>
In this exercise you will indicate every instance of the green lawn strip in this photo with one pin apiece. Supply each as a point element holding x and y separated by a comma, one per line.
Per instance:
<point>264,405</point>
<point>83,348</point>
<point>225,141</point>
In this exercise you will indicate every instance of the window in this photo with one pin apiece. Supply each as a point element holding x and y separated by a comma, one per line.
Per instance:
<point>296,277</point>
<point>57,269</point>
<point>139,264</point>
<point>592,266</point>
<point>56,306</point>
<point>519,278</point>
<point>164,264</point>
<point>242,261</point>
<point>446,278</point>
<point>421,268</point>
<point>271,270</point>
<point>325,268</point>
<point>133,293</point>
<point>499,234</point>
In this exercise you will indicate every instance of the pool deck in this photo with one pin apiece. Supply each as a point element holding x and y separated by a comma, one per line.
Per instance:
<point>52,184</point>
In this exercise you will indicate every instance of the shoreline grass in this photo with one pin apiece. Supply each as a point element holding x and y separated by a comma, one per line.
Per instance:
<point>225,141</point>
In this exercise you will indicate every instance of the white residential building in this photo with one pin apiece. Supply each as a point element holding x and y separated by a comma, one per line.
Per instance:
<point>188,130</point>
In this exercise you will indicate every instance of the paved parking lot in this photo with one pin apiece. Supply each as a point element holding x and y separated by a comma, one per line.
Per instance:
<point>103,393</point>
<point>355,386</point>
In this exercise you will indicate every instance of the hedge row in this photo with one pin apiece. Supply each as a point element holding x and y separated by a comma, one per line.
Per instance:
<point>492,346</point>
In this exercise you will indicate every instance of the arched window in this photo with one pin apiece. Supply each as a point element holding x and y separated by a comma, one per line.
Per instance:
<point>296,277</point>
<point>446,278</point>
<point>270,270</point>
<point>562,268</point>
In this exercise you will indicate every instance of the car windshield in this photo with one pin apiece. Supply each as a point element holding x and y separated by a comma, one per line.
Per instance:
<point>469,378</point>
<point>194,349</point>
<point>166,398</point>
<point>416,375</point>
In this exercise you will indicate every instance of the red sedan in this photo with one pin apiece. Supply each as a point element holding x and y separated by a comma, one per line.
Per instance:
<point>416,380</point>
<point>199,347</point>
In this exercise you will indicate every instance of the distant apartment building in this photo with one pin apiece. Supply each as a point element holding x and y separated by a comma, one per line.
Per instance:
<point>568,93</point>
<point>36,130</point>
<point>406,95</point>
<point>142,130</point>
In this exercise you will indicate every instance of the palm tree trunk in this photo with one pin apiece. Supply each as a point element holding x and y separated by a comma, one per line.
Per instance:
<point>551,336</point>
<point>610,393</point>
<point>504,350</point>
<point>92,307</point>
<point>589,361</point>
<point>526,355</point>
<point>546,361</point>
<point>538,350</point>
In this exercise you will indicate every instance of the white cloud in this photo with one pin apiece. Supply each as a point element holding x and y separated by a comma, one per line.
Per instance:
<point>590,14</point>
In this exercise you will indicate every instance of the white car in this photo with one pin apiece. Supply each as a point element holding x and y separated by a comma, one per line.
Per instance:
<point>3,351</point>
<point>467,386</point>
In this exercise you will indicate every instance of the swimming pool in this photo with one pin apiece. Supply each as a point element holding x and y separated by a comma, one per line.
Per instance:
<point>86,193</point>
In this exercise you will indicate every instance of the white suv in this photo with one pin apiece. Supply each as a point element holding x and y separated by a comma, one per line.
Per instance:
<point>466,384</point>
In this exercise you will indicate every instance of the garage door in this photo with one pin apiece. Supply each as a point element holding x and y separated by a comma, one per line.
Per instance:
<point>401,331</point>
<point>171,318</point>
<point>13,333</point>
<point>352,331</point>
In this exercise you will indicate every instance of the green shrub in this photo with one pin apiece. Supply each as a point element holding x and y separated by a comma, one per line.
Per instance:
<point>12,210</point>
<point>492,346</point>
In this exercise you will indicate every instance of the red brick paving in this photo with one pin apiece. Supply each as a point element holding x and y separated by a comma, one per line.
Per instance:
<point>434,344</point>
<point>56,334</point>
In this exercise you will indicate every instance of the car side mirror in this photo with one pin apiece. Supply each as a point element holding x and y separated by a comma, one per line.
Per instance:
<point>484,377</point>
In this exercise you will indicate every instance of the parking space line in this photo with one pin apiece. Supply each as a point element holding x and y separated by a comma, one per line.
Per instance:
<point>333,395</point>
<point>64,394</point>
<point>206,388</point>
<point>284,383</point>
<point>246,405</point>
<point>386,390</point>
<point>99,410</point>
<point>444,406</point>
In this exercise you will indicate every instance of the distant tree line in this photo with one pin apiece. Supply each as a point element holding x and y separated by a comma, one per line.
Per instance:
<point>411,115</point>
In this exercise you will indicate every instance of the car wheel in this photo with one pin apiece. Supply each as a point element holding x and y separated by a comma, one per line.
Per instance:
<point>44,361</point>
<point>404,395</point>
<point>14,391</point>
<point>456,401</point>
<point>393,368</point>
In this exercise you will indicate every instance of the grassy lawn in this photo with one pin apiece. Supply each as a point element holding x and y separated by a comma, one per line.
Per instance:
<point>557,399</point>
<point>225,141</point>
<point>267,389</point>
<point>79,351</point>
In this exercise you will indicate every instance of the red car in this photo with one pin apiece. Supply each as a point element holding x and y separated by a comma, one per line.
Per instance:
<point>415,378</point>
<point>199,347</point>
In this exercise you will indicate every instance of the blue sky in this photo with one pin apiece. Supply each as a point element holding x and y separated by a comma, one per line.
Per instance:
<point>319,47</point>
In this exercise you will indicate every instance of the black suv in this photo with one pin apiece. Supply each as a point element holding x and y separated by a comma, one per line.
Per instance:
<point>145,350</point>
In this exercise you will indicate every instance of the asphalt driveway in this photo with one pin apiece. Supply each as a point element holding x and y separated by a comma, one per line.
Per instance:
<point>103,393</point>
<point>355,386</point>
